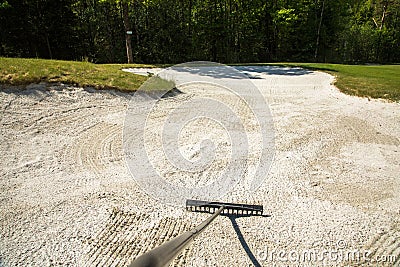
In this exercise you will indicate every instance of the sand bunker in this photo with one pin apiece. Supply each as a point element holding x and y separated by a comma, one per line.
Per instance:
<point>67,197</point>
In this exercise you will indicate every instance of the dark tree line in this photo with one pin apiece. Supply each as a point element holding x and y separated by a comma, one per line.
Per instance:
<point>173,31</point>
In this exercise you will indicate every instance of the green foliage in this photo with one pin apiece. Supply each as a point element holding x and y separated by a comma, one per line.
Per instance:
<point>173,31</point>
<point>4,5</point>
<point>371,34</point>
<point>286,16</point>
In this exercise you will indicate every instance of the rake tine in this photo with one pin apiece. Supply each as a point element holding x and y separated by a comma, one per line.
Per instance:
<point>229,208</point>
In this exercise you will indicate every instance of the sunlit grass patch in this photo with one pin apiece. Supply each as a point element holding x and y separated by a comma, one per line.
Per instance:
<point>16,71</point>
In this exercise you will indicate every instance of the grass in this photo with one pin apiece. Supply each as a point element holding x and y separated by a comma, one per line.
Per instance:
<point>373,81</point>
<point>17,71</point>
<point>156,83</point>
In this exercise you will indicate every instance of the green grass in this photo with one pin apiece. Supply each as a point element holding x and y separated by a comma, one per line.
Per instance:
<point>17,71</point>
<point>373,81</point>
<point>156,83</point>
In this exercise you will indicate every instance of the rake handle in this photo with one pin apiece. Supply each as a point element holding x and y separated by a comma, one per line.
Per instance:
<point>163,255</point>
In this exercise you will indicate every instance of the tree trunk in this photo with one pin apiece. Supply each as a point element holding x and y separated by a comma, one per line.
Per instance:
<point>383,17</point>
<point>385,6</point>
<point>48,45</point>
<point>319,30</point>
<point>128,37</point>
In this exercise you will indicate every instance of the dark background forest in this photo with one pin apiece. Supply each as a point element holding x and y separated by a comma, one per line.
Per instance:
<point>226,31</point>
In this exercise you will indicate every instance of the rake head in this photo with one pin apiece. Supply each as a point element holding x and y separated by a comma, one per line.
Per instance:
<point>229,208</point>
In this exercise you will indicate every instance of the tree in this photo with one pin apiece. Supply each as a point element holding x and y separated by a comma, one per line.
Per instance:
<point>227,31</point>
<point>319,29</point>
<point>124,9</point>
<point>128,29</point>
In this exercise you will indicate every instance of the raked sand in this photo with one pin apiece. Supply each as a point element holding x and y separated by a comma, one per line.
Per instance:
<point>67,197</point>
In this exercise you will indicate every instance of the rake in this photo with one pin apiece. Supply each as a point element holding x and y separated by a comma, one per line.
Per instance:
<point>163,255</point>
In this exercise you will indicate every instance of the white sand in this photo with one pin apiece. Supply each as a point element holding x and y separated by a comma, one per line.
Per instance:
<point>67,197</point>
